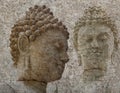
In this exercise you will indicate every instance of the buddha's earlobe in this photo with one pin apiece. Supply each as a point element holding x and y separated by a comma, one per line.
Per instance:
<point>25,69</point>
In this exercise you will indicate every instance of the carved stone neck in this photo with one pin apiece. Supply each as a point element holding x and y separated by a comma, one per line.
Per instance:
<point>37,87</point>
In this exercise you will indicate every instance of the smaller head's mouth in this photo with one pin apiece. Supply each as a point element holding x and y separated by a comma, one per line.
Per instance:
<point>95,51</point>
<point>93,55</point>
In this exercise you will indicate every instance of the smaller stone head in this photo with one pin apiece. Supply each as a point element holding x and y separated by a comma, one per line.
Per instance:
<point>38,44</point>
<point>95,38</point>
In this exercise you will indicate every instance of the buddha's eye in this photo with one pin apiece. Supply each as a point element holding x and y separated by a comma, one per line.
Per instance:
<point>57,46</point>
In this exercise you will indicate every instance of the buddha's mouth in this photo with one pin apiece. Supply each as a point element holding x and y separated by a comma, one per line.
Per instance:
<point>94,69</point>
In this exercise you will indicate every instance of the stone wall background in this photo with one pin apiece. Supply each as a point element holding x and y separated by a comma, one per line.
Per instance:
<point>68,11</point>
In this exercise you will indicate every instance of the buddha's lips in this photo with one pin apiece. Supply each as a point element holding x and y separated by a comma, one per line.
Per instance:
<point>91,69</point>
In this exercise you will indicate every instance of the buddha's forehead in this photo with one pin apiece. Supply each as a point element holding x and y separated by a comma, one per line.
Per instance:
<point>54,34</point>
<point>94,29</point>
<point>51,36</point>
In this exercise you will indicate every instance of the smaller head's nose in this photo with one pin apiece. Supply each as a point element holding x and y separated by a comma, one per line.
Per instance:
<point>94,43</point>
<point>64,57</point>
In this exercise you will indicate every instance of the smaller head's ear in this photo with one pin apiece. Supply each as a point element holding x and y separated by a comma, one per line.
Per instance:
<point>79,60</point>
<point>23,43</point>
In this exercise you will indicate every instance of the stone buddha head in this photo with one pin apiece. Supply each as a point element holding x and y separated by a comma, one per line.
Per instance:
<point>95,38</point>
<point>38,45</point>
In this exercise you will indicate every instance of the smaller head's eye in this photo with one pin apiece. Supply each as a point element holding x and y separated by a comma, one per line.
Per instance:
<point>87,38</point>
<point>103,38</point>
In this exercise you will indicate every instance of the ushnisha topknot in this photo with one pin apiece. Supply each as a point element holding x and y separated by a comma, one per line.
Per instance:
<point>95,15</point>
<point>38,19</point>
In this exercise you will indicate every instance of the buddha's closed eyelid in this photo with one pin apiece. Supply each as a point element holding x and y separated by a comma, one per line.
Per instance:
<point>58,46</point>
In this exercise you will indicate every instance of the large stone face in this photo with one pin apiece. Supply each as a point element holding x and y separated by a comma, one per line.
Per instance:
<point>38,43</point>
<point>68,11</point>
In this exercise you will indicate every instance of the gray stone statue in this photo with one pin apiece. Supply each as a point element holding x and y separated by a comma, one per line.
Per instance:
<point>38,45</point>
<point>95,39</point>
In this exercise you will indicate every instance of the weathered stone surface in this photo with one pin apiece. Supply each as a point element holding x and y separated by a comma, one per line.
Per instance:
<point>68,11</point>
<point>5,88</point>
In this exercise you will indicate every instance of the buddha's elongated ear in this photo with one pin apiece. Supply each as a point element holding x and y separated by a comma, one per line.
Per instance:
<point>23,43</point>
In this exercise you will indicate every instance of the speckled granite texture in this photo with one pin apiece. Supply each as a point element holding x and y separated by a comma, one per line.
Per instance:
<point>68,11</point>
